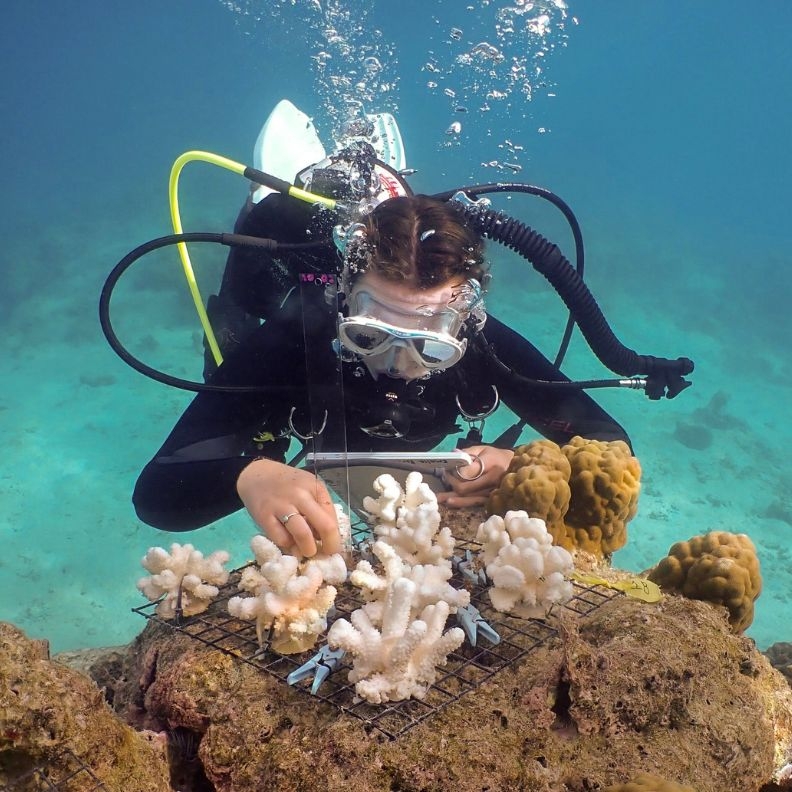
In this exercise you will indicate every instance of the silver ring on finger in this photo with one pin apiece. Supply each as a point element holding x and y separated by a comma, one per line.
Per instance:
<point>474,458</point>
<point>284,518</point>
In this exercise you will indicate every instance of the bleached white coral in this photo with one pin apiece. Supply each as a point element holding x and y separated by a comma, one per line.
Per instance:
<point>431,581</point>
<point>344,526</point>
<point>186,579</point>
<point>397,638</point>
<point>290,597</point>
<point>528,572</point>
<point>409,519</point>
<point>400,659</point>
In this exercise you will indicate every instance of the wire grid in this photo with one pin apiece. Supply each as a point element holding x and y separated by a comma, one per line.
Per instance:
<point>66,773</point>
<point>466,669</point>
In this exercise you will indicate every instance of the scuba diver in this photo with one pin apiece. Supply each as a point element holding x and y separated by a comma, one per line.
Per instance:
<point>374,338</point>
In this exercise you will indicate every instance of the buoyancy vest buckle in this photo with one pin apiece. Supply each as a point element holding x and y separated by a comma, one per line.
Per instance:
<point>476,420</point>
<point>311,432</point>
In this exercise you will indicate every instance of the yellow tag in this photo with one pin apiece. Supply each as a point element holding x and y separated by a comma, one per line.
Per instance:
<point>640,588</point>
<point>637,588</point>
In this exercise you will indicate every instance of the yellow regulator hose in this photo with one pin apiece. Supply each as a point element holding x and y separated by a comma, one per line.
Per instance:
<point>173,194</point>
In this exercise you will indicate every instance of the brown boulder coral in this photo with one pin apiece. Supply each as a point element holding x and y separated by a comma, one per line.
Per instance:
<point>537,481</point>
<point>586,491</point>
<point>604,482</point>
<point>718,567</point>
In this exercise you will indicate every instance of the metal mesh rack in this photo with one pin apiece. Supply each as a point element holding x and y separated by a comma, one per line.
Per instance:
<point>466,669</point>
<point>64,774</point>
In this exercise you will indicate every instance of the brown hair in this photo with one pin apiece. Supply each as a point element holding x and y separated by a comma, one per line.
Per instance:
<point>421,241</point>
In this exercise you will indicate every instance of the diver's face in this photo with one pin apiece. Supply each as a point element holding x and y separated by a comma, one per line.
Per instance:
<point>403,306</point>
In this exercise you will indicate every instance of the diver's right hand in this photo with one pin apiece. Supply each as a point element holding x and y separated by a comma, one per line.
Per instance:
<point>290,506</point>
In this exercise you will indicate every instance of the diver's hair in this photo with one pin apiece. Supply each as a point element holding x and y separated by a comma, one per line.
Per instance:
<point>420,241</point>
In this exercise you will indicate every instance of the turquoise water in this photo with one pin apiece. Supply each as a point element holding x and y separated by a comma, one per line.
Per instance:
<point>665,126</point>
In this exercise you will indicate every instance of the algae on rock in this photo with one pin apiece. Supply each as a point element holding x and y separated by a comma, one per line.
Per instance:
<point>631,687</point>
<point>50,714</point>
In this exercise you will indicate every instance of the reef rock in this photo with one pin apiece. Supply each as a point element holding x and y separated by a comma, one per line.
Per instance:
<point>631,688</point>
<point>780,657</point>
<point>55,725</point>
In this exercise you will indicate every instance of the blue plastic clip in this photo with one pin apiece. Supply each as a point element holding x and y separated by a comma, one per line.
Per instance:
<point>465,565</point>
<point>471,621</point>
<point>320,666</point>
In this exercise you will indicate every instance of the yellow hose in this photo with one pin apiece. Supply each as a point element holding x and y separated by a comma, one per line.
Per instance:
<point>189,273</point>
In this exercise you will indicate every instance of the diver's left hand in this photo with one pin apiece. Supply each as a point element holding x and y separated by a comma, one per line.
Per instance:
<point>470,485</point>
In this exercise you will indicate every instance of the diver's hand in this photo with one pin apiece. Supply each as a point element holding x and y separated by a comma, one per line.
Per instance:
<point>272,491</point>
<point>470,485</point>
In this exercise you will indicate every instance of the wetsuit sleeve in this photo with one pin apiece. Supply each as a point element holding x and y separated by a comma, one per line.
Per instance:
<point>557,414</point>
<point>191,480</point>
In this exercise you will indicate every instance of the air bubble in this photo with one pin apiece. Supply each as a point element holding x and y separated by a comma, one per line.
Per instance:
<point>372,65</point>
<point>487,50</point>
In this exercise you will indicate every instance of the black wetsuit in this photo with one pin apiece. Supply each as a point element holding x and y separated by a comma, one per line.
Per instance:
<point>191,481</point>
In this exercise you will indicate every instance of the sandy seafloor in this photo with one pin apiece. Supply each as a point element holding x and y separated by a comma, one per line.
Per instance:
<point>665,132</point>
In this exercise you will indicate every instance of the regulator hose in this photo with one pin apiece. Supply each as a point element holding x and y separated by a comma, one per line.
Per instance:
<point>476,190</point>
<point>664,377</point>
<point>229,240</point>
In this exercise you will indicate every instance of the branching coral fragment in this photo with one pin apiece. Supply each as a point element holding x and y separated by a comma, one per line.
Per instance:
<point>409,520</point>
<point>431,581</point>
<point>528,572</point>
<point>397,638</point>
<point>399,659</point>
<point>187,581</point>
<point>291,597</point>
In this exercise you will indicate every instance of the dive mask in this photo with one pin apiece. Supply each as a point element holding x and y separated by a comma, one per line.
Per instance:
<point>429,334</point>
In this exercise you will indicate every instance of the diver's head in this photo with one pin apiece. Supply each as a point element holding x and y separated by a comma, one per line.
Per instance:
<point>412,280</point>
<point>416,240</point>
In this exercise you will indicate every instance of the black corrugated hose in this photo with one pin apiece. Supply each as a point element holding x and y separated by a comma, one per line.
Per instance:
<point>664,377</point>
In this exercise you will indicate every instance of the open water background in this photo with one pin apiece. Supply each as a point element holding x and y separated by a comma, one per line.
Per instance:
<point>665,126</point>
